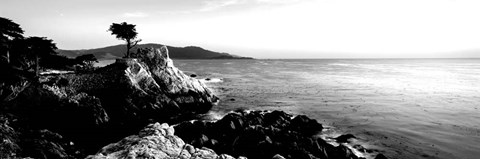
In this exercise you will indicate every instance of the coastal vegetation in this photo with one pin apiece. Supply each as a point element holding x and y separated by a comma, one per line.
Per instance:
<point>127,32</point>
<point>140,106</point>
<point>30,55</point>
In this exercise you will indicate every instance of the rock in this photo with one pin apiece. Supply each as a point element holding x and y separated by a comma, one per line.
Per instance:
<point>277,156</point>
<point>380,156</point>
<point>103,106</point>
<point>152,87</point>
<point>342,151</point>
<point>262,134</point>
<point>344,138</point>
<point>190,148</point>
<point>150,143</point>
<point>303,124</point>
<point>71,115</point>
<point>360,148</point>
<point>170,131</point>
<point>223,156</point>
<point>277,118</point>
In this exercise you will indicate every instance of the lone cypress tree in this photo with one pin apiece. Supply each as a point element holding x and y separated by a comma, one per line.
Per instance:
<point>127,32</point>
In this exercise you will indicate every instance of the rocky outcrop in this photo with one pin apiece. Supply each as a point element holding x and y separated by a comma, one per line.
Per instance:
<point>253,134</point>
<point>261,134</point>
<point>156,141</point>
<point>72,115</point>
<point>146,88</point>
<point>97,108</point>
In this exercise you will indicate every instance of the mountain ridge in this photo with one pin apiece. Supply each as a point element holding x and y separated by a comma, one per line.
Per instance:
<point>118,51</point>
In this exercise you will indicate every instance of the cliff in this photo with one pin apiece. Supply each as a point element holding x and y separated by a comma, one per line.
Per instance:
<point>75,115</point>
<point>93,109</point>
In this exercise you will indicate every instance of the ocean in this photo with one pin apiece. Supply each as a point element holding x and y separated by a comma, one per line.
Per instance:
<point>403,108</point>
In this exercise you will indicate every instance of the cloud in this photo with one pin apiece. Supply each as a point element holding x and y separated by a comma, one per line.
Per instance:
<point>176,12</point>
<point>217,4</point>
<point>210,5</point>
<point>279,1</point>
<point>135,15</point>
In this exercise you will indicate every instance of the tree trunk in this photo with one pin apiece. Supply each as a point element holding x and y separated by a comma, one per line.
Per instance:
<point>37,66</point>
<point>128,48</point>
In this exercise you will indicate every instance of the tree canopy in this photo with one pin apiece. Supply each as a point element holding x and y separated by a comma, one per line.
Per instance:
<point>41,46</point>
<point>31,47</point>
<point>19,54</point>
<point>86,62</point>
<point>127,32</point>
<point>9,31</point>
<point>86,58</point>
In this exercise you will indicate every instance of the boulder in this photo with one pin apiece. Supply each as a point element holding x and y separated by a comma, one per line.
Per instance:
<point>380,156</point>
<point>156,141</point>
<point>277,156</point>
<point>344,138</point>
<point>262,134</point>
<point>305,125</point>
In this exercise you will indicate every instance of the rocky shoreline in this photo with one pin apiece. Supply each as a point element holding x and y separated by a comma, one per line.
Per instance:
<point>262,134</point>
<point>75,115</point>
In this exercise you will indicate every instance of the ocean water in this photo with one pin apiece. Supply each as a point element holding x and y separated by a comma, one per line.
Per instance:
<point>403,108</point>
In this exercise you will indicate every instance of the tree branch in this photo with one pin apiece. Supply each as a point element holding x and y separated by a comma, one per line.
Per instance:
<point>136,42</point>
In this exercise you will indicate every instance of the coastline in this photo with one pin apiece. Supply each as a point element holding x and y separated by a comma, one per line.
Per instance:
<point>79,113</point>
<point>415,118</point>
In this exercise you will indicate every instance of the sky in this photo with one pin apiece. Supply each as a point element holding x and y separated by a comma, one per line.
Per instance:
<point>265,28</point>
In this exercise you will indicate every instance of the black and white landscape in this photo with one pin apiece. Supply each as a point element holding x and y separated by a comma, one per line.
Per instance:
<point>236,79</point>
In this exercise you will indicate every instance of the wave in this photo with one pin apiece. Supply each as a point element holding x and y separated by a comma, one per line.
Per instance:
<point>341,64</point>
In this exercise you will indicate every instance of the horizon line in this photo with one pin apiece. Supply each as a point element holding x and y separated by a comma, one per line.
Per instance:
<point>280,58</point>
<point>353,58</point>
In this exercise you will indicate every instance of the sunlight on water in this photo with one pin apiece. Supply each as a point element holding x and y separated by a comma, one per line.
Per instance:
<point>419,108</point>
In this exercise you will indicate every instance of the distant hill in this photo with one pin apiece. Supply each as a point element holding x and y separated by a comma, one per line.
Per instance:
<point>118,51</point>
